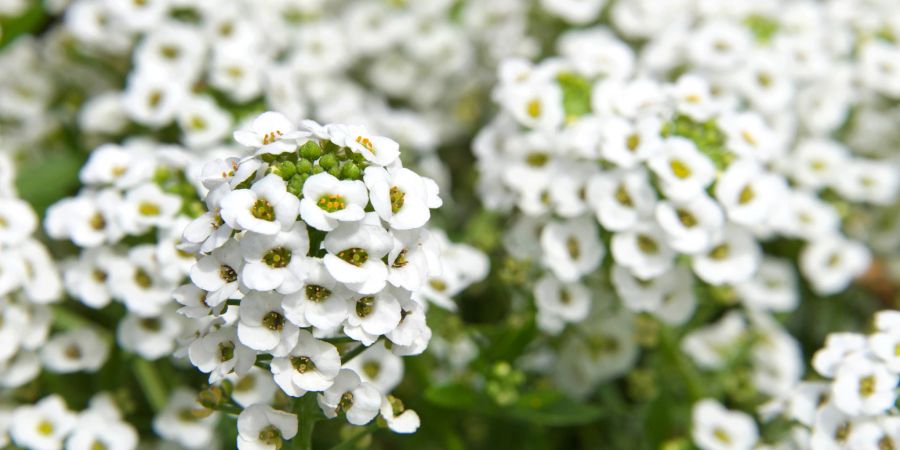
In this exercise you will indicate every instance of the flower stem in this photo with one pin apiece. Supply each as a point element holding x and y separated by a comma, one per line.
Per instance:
<point>309,414</point>
<point>151,383</point>
<point>354,352</point>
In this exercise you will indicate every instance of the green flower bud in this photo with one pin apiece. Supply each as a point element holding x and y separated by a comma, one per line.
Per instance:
<point>328,161</point>
<point>336,171</point>
<point>285,169</point>
<point>310,150</point>
<point>295,184</point>
<point>303,165</point>
<point>317,169</point>
<point>350,171</point>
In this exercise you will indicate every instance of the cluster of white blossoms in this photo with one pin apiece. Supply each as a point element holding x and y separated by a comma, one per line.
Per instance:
<point>183,67</point>
<point>622,171</point>
<point>29,281</point>
<point>49,424</point>
<point>854,405</point>
<point>127,221</point>
<point>317,241</point>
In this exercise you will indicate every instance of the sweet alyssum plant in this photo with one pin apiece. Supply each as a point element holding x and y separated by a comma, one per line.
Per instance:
<point>310,252</point>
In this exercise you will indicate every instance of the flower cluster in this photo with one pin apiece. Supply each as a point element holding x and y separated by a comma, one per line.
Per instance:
<point>317,241</point>
<point>676,182</point>
<point>855,406</point>
<point>29,281</point>
<point>48,423</point>
<point>127,220</point>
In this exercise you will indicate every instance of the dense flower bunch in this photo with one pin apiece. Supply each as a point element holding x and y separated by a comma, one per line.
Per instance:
<point>182,68</point>
<point>619,177</point>
<point>127,221</point>
<point>666,204</point>
<point>317,240</point>
<point>49,422</point>
<point>855,406</point>
<point>29,281</point>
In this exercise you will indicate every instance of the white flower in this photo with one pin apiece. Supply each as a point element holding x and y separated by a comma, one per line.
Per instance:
<point>831,428</point>
<point>398,418</point>
<point>838,346</point>
<point>355,250</point>
<point>718,45</point>
<point>150,337</point>
<point>830,263</point>
<point>375,149</point>
<point>733,260</point>
<point>42,426</point>
<point>147,206</point>
<point>748,136</point>
<point>360,401</point>
<point>863,386</point>
<point>102,426</point>
<point>693,98</point>
<point>804,215</point>
<point>884,346</point>
<point>89,220</point>
<point>876,435</point>
<point>416,256</point>
<point>717,428</point>
<point>693,226</point>
<point>870,181</point>
<point>269,128</point>
<point>256,386</point>
<point>709,346</point>
<point>265,208</point>
<point>537,105</point>
<point>263,326</point>
<point>209,232</point>
<point>818,162</point>
<point>321,301</point>
<point>203,122</point>
<point>773,288</point>
<point>310,366</point>
<point>621,198</point>
<point>372,316</point>
<point>643,250</point>
<point>572,248</point>
<point>412,334</point>
<point>177,422</point>
<point>260,427</point>
<point>748,193</point>
<point>74,351</point>
<point>218,273</point>
<point>684,172</point>
<point>627,144</point>
<point>400,197</point>
<point>379,366</point>
<point>275,262</point>
<point>888,321</point>
<point>40,278</point>
<point>568,302</point>
<point>17,221</point>
<point>328,201</point>
<point>138,283</point>
<point>219,353</point>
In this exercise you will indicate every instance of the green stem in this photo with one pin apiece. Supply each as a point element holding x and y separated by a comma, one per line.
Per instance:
<point>354,352</point>
<point>151,383</point>
<point>669,346</point>
<point>350,443</point>
<point>309,414</point>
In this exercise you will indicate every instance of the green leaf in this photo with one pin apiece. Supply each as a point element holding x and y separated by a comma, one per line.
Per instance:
<point>44,182</point>
<point>546,407</point>
<point>576,94</point>
<point>458,396</point>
